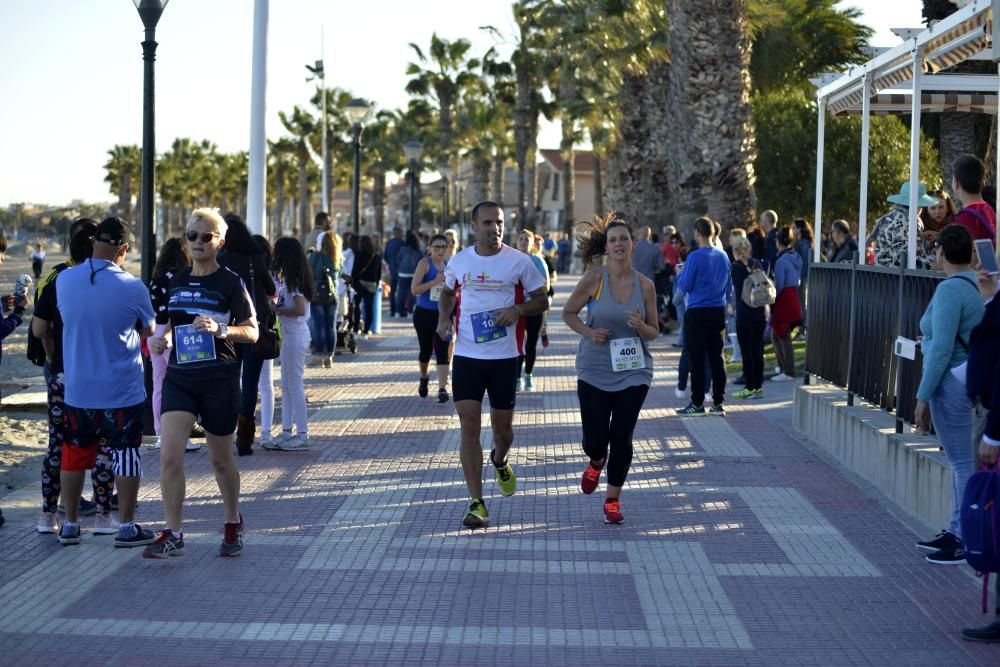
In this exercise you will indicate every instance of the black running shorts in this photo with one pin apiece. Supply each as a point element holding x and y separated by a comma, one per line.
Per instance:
<point>472,378</point>
<point>214,401</point>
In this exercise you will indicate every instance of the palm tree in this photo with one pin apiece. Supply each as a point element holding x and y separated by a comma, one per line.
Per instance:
<point>303,127</point>
<point>337,127</point>
<point>123,169</point>
<point>281,170</point>
<point>444,74</point>
<point>711,140</point>
<point>528,105</point>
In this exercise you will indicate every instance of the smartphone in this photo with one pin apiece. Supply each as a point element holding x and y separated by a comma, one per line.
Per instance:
<point>987,258</point>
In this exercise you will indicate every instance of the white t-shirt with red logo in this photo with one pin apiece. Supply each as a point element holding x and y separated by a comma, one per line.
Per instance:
<point>488,284</point>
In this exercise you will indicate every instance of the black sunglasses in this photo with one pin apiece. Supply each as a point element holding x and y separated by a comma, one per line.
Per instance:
<point>206,237</point>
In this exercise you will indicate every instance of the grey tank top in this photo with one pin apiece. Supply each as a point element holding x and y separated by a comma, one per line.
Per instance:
<point>593,362</point>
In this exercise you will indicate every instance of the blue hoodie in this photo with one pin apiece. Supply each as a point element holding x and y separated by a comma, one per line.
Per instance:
<point>705,278</point>
<point>787,270</point>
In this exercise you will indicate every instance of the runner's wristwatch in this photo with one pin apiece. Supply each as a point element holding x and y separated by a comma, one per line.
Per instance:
<point>223,331</point>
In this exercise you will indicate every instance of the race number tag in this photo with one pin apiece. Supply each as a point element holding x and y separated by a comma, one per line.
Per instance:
<point>193,345</point>
<point>485,329</point>
<point>435,292</point>
<point>626,355</point>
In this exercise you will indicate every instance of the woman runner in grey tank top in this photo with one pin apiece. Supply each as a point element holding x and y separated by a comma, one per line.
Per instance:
<point>614,367</point>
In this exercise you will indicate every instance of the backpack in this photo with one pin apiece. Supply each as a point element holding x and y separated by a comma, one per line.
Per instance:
<point>325,287</point>
<point>980,526</point>
<point>758,290</point>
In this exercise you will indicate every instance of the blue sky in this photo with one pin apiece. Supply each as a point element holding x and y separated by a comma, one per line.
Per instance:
<point>71,73</point>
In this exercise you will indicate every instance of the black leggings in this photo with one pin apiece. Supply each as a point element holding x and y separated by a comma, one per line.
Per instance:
<point>425,321</point>
<point>532,327</point>
<point>703,330</point>
<point>609,418</point>
<point>751,337</point>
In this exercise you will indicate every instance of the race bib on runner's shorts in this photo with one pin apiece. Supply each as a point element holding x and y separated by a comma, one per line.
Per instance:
<point>193,345</point>
<point>484,327</point>
<point>626,355</point>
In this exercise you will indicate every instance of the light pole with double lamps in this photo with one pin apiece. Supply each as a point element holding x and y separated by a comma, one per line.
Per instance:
<point>413,149</point>
<point>150,12</point>
<point>357,112</point>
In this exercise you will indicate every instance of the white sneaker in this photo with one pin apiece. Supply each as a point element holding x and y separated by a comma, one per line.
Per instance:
<point>294,444</point>
<point>519,387</point>
<point>529,383</point>
<point>682,394</point>
<point>105,524</point>
<point>192,446</point>
<point>275,442</point>
<point>156,445</point>
<point>781,377</point>
<point>48,523</point>
<point>265,437</point>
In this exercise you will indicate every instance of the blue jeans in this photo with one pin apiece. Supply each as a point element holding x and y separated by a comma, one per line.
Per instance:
<point>324,321</point>
<point>393,287</point>
<point>403,295</point>
<point>951,411</point>
<point>250,378</point>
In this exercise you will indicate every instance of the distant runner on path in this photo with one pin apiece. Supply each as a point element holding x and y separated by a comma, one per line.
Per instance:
<point>493,278</point>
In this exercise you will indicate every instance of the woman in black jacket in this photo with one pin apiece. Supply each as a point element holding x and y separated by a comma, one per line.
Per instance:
<point>750,322</point>
<point>242,256</point>
<point>365,276</point>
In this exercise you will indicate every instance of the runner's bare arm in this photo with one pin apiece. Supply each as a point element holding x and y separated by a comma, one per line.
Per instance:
<point>244,332</point>
<point>578,301</point>
<point>446,304</point>
<point>42,330</point>
<point>418,286</point>
<point>157,345</point>
<point>539,303</point>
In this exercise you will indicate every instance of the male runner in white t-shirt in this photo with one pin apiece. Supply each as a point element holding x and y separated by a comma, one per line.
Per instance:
<point>493,278</point>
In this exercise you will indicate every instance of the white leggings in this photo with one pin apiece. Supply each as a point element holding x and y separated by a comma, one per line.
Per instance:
<point>266,389</point>
<point>294,346</point>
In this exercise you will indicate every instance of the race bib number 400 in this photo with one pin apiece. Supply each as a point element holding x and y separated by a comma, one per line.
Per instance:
<point>626,355</point>
<point>193,345</point>
<point>484,327</point>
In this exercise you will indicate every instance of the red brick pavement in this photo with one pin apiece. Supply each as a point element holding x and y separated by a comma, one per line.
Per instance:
<point>740,547</point>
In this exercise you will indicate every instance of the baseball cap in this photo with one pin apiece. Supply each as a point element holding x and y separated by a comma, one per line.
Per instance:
<point>113,231</point>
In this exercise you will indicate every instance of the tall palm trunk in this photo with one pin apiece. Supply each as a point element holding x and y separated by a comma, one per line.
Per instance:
<point>125,197</point>
<point>303,219</point>
<point>958,137</point>
<point>711,149</point>
<point>378,201</point>
<point>498,174</point>
<point>598,188</point>
<point>636,170</point>
<point>568,155</point>
<point>479,184</point>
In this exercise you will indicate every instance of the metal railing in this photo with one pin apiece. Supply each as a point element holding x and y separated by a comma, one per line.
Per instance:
<point>855,315</point>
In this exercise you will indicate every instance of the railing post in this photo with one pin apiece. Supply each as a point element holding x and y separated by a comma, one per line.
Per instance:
<point>850,332</point>
<point>899,332</point>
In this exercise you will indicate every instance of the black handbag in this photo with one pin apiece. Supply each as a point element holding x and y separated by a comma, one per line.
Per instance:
<point>268,345</point>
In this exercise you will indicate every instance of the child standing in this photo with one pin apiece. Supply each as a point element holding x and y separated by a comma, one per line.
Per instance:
<point>292,268</point>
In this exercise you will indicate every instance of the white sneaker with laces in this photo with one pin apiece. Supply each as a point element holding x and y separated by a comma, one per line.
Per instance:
<point>519,387</point>
<point>682,394</point>
<point>48,523</point>
<point>105,524</point>
<point>275,442</point>
<point>192,446</point>
<point>781,377</point>
<point>295,444</point>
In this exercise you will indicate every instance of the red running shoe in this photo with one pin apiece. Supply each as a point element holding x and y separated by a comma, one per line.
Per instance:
<point>613,511</point>
<point>591,476</point>
<point>232,539</point>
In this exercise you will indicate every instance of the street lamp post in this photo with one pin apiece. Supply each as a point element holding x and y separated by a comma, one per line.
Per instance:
<point>413,149</point>
<point>319,73</point>
<point>150,12</point>
<point>357,111</point>
<point>445,170</point>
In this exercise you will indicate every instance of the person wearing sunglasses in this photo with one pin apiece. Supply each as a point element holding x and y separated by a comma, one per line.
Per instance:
<point>210,312</point>
<point>428,281</point>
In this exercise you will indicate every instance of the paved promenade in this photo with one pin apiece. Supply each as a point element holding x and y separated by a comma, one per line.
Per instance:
<point>740,546</point>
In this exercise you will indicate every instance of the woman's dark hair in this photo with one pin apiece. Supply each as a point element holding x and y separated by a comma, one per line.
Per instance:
<point>3,243</point>
<point>677,237</point>
<point>758,241</point>
<point>81,244</point>
<point>956,244</point>
<point>412,240</point>
<point>592,237</point>
<point>705,226</point>
<point>367,246</point>
<point>173,256</point>
<point>437,237</point>
<point>290,263</point>
<point>263,247</point>
<point>805,229</point>
<point>842,227</point>
<point>784,236</point>
<point>238,238</point>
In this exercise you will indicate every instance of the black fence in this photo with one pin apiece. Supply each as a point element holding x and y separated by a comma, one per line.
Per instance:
<point>855,315</point>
